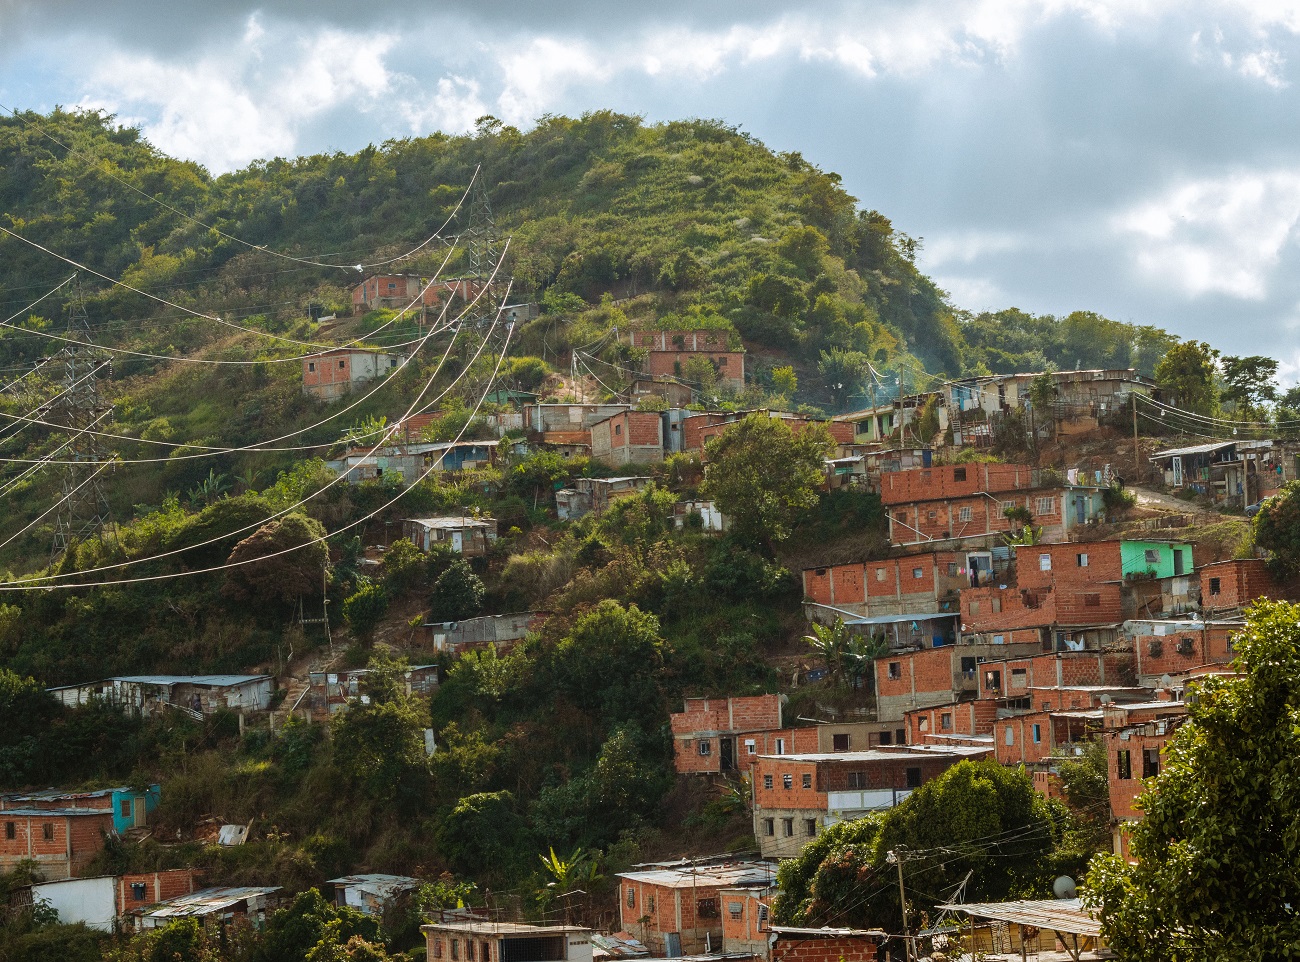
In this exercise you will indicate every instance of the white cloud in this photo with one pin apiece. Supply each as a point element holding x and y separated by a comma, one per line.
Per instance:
<point>1217,235</point>
<point>966,247</point>
<point>973,293</point>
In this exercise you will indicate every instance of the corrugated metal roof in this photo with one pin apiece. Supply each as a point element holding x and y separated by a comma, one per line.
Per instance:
<point>899,619</point>
<point>743,873</point>
<point>1055,915</point>
<point>206,901</point>
<point>454,522</point>
<point>826,932</point>
<point>57,811</point>
<point>870,755</point>
<point>212,681</point>
<point>502,928</point>
<point>1194,449</point>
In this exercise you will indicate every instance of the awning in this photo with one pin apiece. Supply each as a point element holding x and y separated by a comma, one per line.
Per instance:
<point>1056,915</point>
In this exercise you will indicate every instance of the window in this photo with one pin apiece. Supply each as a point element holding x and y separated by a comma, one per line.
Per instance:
<point>1044,562</point>
<point>1215,586</point>
<point>787,827</point>
<point>487,946</point>
<point>1011,736</point>
<point>810,827</point>
<point>913,778</point>
<point>902,519</point>
<point>959,474</point>
<point>767,781</point>
<point>47,831</point>
<point>631,897</point>
<point>999,639</point>
<point>945,721</point>
<point>735,909</point>
<point>437,948</point>
<point>1044,505</point>
<point>880,572</point>
<point>840,743</point>
<point>1007,506</point>
<point>649,910</point>
<point>1123,764</point>
<point>974,607</point>
<point>807,780</point>
<point>10,830</point>
<point>780,747</point>
<point>392,286</point>
<point>1019,677</point>
<point>787,780</point>
<point>1092,601</point>
<point>931,515</point>
<point>1150,762</point>
<point>126,808</point>
<point>769,827</point>
<point>618,430</point>
<point>341,364</point>
<point>1152,556</point>
<point>311,365</point>
<point>923,724</point>
<point>138,891</point>
<point>1082,559</point>
<point>995,605</point>
<point>1038,734</point>
<point>965,514</point>
<point>455,948</point>
<point>992,680</point>
<point>895,669</point>
<point>750,747</point>
<point>857,779</point>
<point>886,738</point>
<point>469,950</point>
<point>916,573</point>
<point>952,569</point>
<point>704,746</point>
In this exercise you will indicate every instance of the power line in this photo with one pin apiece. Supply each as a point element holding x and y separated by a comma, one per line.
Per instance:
<point>28,586</point>
<point>50,580</point>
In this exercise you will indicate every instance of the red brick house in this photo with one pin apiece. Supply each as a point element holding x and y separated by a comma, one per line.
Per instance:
<point>825,944</point>
<point>796,796</point>
<point>1135,735</point>
<point>912,584</point>
<point>935,676</point>
<point>746,920</point>
<point>699,429</point>
<point>1174,647</point>
<point>668,352</point>
<point>715,735</point>
<point>676,908</point>
<point>399,291</point>
<point>955,723</point>
<point>965,502</point>
<point>629,436</point>
<point>61,841</point>
<point>332,374</point>
<point>1034,737</point>
<point>1232,585</point>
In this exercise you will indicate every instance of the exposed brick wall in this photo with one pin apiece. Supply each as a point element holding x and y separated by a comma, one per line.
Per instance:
<point>995,610</point>
<point>892,585</point>
<point>914,679</point>
<point>675,910</point>
<point>953,481</point>
<point>159,886</point>
<point>632,436</point>
<point>712,719</point>
<point>730,365</point>
<point>1018,678</point>
<point>840,949</point>
<point>1013,738</point>
<point>1124,791</point>
<point>963,718</point>
<point>1234,584</point>
<point>74,840</point>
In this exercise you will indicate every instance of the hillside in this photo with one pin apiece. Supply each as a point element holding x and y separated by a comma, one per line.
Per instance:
<point>261,560</point>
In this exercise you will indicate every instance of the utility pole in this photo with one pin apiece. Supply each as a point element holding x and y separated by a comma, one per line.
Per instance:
<point>896,857</point>
<point>84,511</point>
<point>1137,452</point>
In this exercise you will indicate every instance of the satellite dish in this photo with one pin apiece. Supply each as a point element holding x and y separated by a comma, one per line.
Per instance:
<point>1166,681</point>
<point>1064,888</point>
<point>1106,699</point>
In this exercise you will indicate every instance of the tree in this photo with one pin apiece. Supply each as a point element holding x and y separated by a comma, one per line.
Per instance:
<point>379,746</point>
<point>977,817</point>
<point>1217,846</point>
<point>457,593</point>
<point>279,562</point>
<point>762,475</point>
<point>699,370</point>
<point>844,373</point>
<point>1277,528</point>
<point>784,381</point>
<point>1187,373</point>
<point>610,664</point>
<point>365,609</point>
<point>1249,385</point>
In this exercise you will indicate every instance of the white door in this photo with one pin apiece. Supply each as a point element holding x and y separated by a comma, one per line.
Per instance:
<point>457,541</point>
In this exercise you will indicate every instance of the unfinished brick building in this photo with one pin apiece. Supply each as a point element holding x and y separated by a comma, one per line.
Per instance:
<point>718,735</point>
<point>912,584</point>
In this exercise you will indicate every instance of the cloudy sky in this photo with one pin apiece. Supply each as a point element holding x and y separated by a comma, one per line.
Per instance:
<point>1140,158</point>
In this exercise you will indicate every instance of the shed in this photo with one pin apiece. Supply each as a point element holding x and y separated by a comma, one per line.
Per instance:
<point>464,534</point>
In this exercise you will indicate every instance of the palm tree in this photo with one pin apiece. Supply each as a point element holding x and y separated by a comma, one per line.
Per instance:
<point>829,642</point>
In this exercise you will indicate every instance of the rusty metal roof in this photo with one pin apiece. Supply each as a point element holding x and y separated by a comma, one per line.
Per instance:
<point>1055,915</point>
<point>206,901</point>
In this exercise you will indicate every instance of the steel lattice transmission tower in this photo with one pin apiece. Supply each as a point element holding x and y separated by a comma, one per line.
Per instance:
<point>481,233</point>
<point>80,409</point>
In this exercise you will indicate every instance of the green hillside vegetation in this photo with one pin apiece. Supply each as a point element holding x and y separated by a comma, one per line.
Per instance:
<point>563,743</point>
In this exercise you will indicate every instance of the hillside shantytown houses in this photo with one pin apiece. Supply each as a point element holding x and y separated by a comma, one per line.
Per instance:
<point>332,374</point>
<point>669,351</point>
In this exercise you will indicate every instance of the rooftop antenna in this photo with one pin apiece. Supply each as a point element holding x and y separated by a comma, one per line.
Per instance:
<point>84,510</point>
